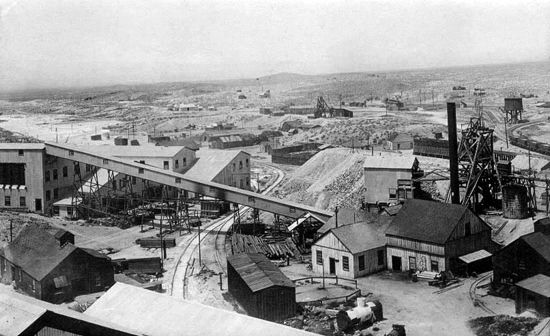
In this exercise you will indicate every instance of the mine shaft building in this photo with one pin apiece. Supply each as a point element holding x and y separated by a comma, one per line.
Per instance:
<point>51,268</point>
<point>400,141</point>
<point>432,236</point>
<point>534,293</point>
<point>260,287</point>
<point>390,177</point>
<point>351,251</point>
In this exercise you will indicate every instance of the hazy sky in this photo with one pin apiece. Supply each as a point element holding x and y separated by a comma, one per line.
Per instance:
<point>58,43</point>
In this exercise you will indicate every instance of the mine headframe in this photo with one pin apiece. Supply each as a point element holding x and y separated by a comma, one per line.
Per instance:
<point>477,171</point>
<point>322,109</point>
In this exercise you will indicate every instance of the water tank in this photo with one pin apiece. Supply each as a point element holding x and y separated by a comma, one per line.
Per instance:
<point>514,201</point>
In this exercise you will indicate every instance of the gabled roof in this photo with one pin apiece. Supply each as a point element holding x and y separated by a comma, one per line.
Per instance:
<point>210,164</point>
<point>144,151</point>
<point>22,145</point>
<point>346,216</point>
<point>389,161</point>
<point>401,137</point>
<point>187,143</point>
<point>157,314</point>
<point>360,237</point>
<point>426,221</point>
<point>538,242</point>
<point>258,272</point>
<point>36,251</point>
<point>20,313</point>
<point>539,284</point>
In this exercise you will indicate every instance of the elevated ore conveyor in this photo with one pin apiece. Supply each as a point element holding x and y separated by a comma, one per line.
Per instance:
<point>176,180</point>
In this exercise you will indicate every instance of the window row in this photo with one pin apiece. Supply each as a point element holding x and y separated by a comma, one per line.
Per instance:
<point>8,201</point>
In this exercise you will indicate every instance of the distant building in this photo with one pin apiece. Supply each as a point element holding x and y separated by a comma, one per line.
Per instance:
<point>389,177</point>
<point>432,236</point>
<point>50,268</point>
<point>260,287</point>
<point>233,140</point>
<point>188,107</point>
<point>303,109</point>
<point>266,110</point>
<point>400,141</point>
<point>351,250</point>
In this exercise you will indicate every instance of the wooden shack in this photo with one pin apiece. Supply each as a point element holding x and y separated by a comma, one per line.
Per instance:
<point>534,293</point>
<point>260,287</point>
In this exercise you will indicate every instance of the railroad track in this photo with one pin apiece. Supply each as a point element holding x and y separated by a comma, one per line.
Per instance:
<point>473,297</point>
<point>220,227</point>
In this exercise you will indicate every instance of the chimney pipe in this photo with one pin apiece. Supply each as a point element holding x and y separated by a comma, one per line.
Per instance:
<point>336,216</point>
<point>453,152</point>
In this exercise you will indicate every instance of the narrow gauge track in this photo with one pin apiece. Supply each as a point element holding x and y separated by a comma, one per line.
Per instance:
<point>473,296</point>
<point>220,226</point>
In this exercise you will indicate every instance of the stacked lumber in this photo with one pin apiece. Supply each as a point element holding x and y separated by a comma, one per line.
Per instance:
<point>271,249</point>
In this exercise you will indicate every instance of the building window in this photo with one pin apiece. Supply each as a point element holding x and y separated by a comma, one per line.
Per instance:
<point>319,257</point>
<point>21,153</point>
<point>435,266</point>
<point>247,162</point>
<point>76,169</point>
<point>65,171</point>
<point>234,166</point>
<point>240,165</point>
<point>184,162</point>
<point>56,210</point>
<point>166,165</point>
<point>48,195</point>
<point>69,211</point>
<point>7,200</point>
<point>55,193</point>
<point>381,257</point>
<point>176,164</point>
<point>33,285</point>
<point>345,263</point>
<point>97,280</point>
<point>141,171</point>
<point>412,263</point>
<point>241,183</point>
<point>392,193</point>
<point>248,181</point>
<point>71,153</point>
<point>47,176</point>
<point>362,263</point>
<point>22,201</point>
<point>178,179</point>
<point>55,174</point>
<point>105,161</point>
<point>467,229</point>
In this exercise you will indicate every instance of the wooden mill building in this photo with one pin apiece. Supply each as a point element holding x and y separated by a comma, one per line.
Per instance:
<point>432,236</point>
<point>260,287</point>
<point>534,293</point>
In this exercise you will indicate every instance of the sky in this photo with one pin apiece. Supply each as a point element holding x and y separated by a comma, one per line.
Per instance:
<point>67,43</point>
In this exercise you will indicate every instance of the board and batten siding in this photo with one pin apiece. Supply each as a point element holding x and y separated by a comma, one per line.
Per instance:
<point>415,245</point>
<point>423,260</point>
<point>331,247</point>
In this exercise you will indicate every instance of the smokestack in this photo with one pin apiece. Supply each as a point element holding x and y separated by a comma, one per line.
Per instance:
<point>453,155</point>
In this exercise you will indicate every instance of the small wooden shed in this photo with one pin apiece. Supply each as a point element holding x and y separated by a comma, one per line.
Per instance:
<point>534,293</point>
<point>260,287</point>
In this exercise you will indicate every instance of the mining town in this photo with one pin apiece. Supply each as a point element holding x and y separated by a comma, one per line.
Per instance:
<point>278,168</point>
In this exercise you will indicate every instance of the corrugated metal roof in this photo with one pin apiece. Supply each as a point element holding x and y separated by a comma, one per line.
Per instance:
<point>475,256</point>
<point>258,272</point>
<point>539,284</point>
<point>389,161</point>
<point>156,314</point>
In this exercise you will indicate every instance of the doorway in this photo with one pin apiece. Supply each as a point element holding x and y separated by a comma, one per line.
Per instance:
<point>38,204</point>
<point>332,265</point>
<point>396,263</point>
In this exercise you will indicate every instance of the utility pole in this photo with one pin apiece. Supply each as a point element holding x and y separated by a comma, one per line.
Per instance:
<point>11,229</point>
<point>200,261</point>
